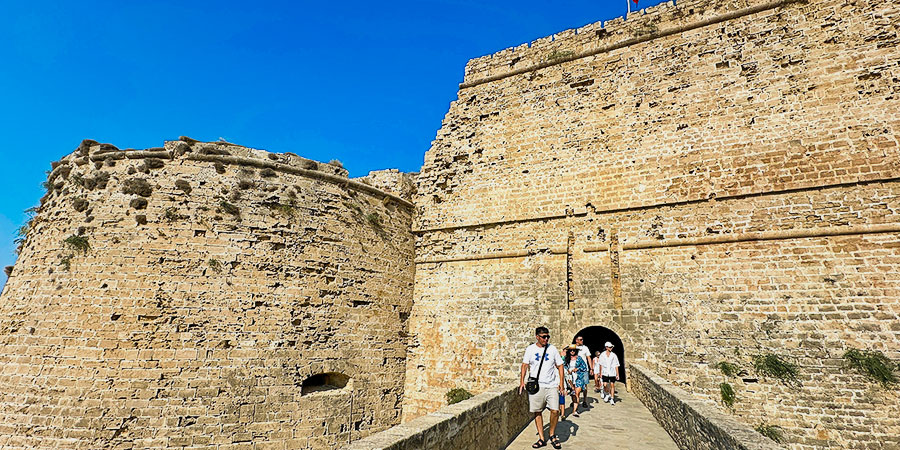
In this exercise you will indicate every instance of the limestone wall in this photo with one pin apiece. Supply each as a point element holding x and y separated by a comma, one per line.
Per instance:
<point>487,421</point>
<point>202,286</point>
<point>720,185</point>
<point>692,423</point>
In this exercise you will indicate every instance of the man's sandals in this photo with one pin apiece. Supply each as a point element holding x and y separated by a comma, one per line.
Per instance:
<point>554,441</point>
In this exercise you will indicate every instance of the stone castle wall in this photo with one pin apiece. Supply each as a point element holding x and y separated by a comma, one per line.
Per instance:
<point>202,289</point>
<point>711,180</point>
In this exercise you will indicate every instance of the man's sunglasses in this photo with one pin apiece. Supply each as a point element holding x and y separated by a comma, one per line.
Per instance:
<point>544,336</point>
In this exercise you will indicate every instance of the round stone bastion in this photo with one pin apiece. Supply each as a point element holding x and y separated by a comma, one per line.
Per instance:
<point>205,295</point>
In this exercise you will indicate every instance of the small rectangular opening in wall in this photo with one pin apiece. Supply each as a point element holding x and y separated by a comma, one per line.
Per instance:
<point>750,380</point>
<point>324,382</point>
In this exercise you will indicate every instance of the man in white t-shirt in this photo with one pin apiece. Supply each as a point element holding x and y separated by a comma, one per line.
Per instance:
<point>585,354</point>
<point>550,381</point>
<point>609,372</point>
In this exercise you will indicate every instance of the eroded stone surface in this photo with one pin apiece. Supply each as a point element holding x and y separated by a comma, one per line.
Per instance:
<point>576,195</point>
<point>194,318</point>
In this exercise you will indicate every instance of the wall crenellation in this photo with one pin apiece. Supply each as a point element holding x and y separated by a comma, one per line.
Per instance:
<point>571,44</point>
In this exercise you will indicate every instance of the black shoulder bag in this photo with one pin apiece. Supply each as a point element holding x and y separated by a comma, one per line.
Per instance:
<point>532,385</point>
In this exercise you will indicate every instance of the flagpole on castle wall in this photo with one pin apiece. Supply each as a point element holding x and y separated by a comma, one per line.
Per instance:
<point>628,3</point>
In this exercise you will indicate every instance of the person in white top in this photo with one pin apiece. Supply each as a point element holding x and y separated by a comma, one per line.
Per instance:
<point>598,384</point>
<point>585,353</point>
<point>609,371</point>
<point>550,381</point>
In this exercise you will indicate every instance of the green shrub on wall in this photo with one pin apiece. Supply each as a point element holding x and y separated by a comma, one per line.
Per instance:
<point>772,432</point>
<point>772,365</point>
<point>78,243</point>
<point>457,395</point>
<point>727,393</point>
<point>728,369</point>
<point>872,364</point>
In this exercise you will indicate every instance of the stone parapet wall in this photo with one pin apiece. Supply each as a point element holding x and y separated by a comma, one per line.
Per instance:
<point>692,424</point>
<point>487,421</point>
<point>641,26</point>
<point>188,296</point>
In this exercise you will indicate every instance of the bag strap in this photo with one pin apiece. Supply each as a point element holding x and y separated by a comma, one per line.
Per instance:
<point>541,365</point>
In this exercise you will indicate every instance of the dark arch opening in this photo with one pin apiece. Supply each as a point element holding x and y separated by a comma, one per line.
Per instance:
<point>596,336</point>
<point>324,382</point>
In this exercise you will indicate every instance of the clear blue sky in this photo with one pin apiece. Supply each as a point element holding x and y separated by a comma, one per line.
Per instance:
<point>363,82</point>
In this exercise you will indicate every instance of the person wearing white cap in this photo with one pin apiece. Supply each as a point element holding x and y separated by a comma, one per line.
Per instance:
<point>609,372</point>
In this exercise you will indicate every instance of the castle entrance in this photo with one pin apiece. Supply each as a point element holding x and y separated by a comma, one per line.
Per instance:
<point>596,336</point>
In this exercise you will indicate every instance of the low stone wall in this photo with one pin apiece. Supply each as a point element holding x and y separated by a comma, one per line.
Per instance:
<point>487,421</point>
<point>692,424</point>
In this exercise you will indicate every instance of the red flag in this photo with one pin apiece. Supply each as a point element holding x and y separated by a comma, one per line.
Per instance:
<point>635,1</point>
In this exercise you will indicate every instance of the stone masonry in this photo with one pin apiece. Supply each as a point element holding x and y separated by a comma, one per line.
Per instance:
<point>712,180</point>
<point>187,296</point>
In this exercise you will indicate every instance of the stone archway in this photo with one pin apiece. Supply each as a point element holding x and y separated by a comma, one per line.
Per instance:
<point>596,336</point>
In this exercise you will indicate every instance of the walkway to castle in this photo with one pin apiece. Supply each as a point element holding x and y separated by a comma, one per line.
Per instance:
<point>627,425</point>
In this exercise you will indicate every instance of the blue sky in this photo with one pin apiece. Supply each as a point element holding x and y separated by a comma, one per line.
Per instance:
<point>363,82</point>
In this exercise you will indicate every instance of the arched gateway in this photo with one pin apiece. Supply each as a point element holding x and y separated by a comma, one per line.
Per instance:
<point>596,336</point>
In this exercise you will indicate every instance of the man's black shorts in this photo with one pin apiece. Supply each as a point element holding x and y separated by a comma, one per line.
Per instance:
<point>607,379</point>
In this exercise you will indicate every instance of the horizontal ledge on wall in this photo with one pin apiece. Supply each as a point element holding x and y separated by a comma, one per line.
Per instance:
<point>635,40</point>
<point>131,154</point>
<point>494,255</point>
<point>499,222</point>
<point>596,248</point>
<point>768,236</point>
<point>660,205</point>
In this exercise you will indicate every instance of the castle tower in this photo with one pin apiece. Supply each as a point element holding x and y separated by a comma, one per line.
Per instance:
<point>205,294</point>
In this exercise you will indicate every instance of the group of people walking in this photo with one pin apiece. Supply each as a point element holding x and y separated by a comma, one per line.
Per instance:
<point>547,375</point>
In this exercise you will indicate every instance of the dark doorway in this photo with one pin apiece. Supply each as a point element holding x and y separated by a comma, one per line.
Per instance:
<point>596,336</point>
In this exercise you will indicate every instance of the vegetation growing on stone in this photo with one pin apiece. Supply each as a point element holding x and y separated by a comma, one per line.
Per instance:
<point>457,395</point>
<point>727,394</point>
<point>215,265</point>
<point>374,219</point>
<point>772,432</point>
<point>267,173</point>
<point>22,232</point>
<point>309,164</point>
<point>872,364</point>
<point>728,369</point>
<point>772,365</point>
<point>140,219</point>
<point>557,54</point>
<point>66,262</point>
<point>78,243</point>
<point>336,163</point>
<point>137,186</point>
